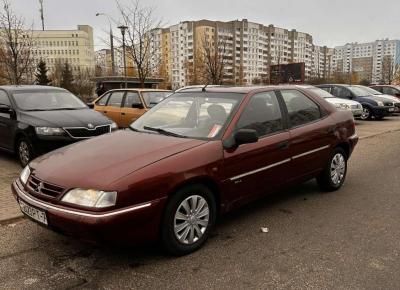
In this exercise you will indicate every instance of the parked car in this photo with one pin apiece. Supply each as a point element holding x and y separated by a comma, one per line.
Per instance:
<point>373,106</point>
<point>124,106</point>
<point>341,104</point>
<point>388,90</point>
<point>196,155</point>
<point>38,119</point>
<point>396,101</point>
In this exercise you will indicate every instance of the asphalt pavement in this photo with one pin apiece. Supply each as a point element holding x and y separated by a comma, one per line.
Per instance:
<point>349,239</point>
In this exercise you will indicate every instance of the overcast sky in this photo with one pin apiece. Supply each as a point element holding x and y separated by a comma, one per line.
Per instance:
<point>330,22</point>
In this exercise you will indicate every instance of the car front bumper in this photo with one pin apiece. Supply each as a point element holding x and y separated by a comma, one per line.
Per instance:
<point>132,225</point>
<point>380,111</point>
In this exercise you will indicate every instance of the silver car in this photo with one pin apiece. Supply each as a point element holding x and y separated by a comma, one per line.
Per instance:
<point>341,104</point>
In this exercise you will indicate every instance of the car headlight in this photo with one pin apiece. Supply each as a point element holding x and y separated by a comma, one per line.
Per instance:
<point>25,175</point>
<point>380,103</point>
<point>90,197</point>
<point>49,131</point>
<point>114,126</point>
<point>342,106</point>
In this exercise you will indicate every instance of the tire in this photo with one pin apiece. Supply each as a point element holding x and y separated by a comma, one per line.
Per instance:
<point>24,151</point>
<point>192,228</point>
<point>328,180</point>
<point>367,114</point>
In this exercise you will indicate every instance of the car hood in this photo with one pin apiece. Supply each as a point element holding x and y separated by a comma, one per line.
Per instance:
<point>341,101</point>
<point>64,118</point>
<point>98,162</point>
<point>389,97</point>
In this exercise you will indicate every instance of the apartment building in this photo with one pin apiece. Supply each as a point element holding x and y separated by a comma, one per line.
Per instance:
<point>249,50</point>
<point>371,61</point>
<point>56,47</point>
<point>322,63</point>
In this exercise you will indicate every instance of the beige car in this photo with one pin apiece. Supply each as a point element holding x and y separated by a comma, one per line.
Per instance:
<point>124,106</point>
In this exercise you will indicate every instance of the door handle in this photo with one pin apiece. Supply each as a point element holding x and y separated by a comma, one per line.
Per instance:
<point>123,114</point>
<point>283,145</point>
<point>331,130</point>
<point>105,112</point>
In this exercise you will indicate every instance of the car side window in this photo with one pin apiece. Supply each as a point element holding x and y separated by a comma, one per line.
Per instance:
<point>341,92</point>
<point>132,100</point>
<point>328,89</point>
<point>300,108</point>
<point>103,100</point>
<point>262,114</point>
<point>115,99</point>
<point>4,100</point>
<point>379,89</point>
<point>389,91</point>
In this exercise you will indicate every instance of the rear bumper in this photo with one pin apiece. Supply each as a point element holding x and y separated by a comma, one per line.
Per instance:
<point>133,225</point>
<point>353,140</point>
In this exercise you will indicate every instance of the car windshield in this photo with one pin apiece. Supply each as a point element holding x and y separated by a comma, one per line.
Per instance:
<point>193,115</point>
<point>47,100</point>
<point>359,92</point>
<point>370,91</point>
<point>153,98</point>
<point>321,93</point>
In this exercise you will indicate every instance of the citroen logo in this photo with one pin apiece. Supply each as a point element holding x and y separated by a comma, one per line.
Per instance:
<point>90,126</point>
<point>39,188</point>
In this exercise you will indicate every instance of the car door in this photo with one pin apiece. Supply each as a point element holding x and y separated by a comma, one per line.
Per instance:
<point>113,107</point>
<point>133,108</point>
<point>7,123</point>
<point>100,105</point>
<point>258,168</point>
<point>311,133</point>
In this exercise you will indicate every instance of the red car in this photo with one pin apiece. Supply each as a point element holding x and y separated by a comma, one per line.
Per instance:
<point>198,154</point>
<point>388,90</point>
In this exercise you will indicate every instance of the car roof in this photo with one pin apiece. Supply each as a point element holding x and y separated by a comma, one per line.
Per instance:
<point>340,85</point>
<point>138,90</point>
<point>238,90</point>
<point>12,88</point>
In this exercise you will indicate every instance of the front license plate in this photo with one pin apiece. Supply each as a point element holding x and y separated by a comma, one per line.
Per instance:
<point>36,214</point>
<point>391,109</point>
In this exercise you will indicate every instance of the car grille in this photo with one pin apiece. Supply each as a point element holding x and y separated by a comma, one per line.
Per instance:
<point>87,133</point>
<point>356,106</point>
<point>37,186</point>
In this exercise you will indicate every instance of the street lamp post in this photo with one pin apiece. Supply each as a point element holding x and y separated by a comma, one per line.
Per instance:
<point>111,42</point>
<point>123,30</point>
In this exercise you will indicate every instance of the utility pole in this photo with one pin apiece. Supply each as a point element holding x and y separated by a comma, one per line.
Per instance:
<point>123,30</point>
<point>111,42</point>
<point>41,13</point>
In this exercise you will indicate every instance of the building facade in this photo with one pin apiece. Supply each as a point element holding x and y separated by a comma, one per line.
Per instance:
<point>249,49</point>
<point>372,61</point>
<point>57,47</point>
<point>322,63</point>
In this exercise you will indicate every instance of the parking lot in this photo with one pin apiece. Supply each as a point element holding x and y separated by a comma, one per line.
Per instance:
<point>343,240</point>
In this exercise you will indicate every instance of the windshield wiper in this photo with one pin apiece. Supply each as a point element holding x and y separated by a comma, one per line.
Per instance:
<point>163,132</point>
<point>62,109</point>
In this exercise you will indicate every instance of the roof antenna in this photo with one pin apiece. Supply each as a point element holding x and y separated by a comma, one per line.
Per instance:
<point>204,88</point>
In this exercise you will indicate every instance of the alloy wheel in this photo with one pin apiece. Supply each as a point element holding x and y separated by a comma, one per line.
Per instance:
<point>365,114</point>
<point>338,168</point>
<point>24,154</point>
<point>191,219</point>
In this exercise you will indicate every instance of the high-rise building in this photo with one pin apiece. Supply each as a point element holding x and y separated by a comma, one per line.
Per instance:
<point>322,63</point>
<point>57,47</point>
<point>249,49</point>
<point>371,61</point>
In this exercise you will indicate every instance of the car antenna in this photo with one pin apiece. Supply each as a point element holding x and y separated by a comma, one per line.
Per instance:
<point>204,88</point>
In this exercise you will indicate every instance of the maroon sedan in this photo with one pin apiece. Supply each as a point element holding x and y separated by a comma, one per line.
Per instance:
<point>198,154</point>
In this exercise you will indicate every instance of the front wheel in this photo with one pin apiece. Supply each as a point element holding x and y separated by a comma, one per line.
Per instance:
<point>366,114</point>
<point>24,151</point>
<point>334,173</point>
<point>188,219</point>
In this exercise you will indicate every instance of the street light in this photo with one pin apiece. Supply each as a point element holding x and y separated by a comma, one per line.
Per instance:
<point>123,29</point>
<point>111,42</point>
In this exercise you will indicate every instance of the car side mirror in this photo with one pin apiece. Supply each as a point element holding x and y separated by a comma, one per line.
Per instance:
<point>5,109</point>
<point>245,136</point>
<point>90,105</point>
<point>137,106</point>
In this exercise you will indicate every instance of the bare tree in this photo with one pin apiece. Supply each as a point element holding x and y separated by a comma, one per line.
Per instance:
<point>141,23</point>
<point>214,58</point>
<point>16,47</point>
<point>390,69</point>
